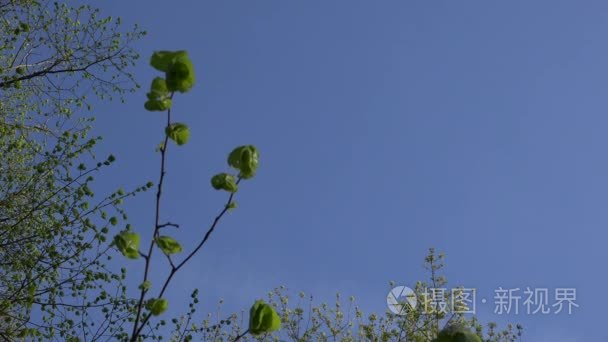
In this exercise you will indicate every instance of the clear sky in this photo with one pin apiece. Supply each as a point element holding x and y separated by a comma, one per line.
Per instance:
<point>385,128</point>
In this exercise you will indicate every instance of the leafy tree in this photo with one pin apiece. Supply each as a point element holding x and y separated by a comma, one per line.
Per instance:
<point>52,227</point>
<point>303,320</point>
<point>54,282</point>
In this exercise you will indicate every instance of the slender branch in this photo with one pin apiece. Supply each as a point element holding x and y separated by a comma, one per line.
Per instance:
<point>168,224</point>
<point>211,229</point>
<point>157,225</point>
<point>49,70</point>
<point>241,335</point>
<point>174,269</point>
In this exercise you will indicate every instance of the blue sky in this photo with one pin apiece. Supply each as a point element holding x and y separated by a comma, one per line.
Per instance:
<point>385,128</point>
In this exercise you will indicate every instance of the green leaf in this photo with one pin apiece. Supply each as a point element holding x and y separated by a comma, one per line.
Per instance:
<point>178,69</point>
<point>128,244</point>
<point>157,105</point>
<point>146,285</point>
<point>224,181</point>
<point>456,333</point>
<point>263,318</point>
<point>31,291</point>
<point>157,306</point>
<point>168,245</point>
<point>27,332</point>
<point>161,60</point>
<point>24,27</point>
<point>178,132</point>
<point>160,147</point>
<point>245,159</point>
<point>159,87</point>
<point>180,76</point>
<point>159,98</point>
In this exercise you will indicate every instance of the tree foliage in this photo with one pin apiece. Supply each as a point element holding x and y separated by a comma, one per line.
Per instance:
<point>53,227</point>
<point>303,320</point>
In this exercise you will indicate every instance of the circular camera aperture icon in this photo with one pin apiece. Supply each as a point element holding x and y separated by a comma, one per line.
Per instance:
<point>401,299</point>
